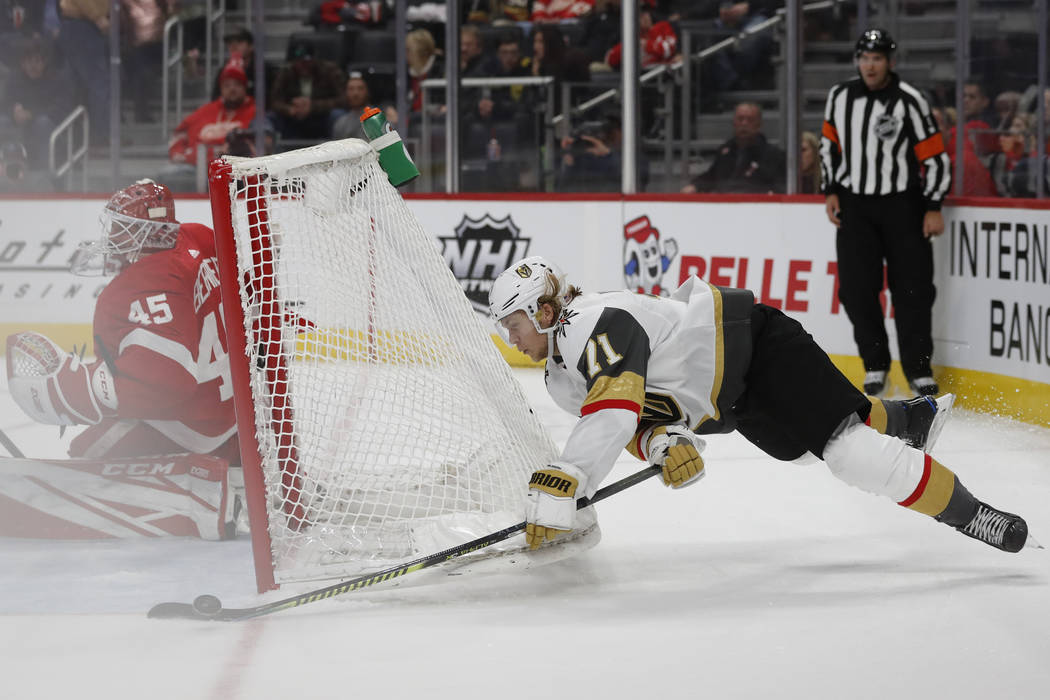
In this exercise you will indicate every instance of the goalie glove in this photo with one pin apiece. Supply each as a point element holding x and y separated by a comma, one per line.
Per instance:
<point>550,508</point>
<point>56,387</point>
<point>677,450</point>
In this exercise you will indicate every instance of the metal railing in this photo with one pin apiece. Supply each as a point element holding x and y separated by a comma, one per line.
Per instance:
<point>452,164</point>
<point>74,155</point>
<point>214,26</point>
<point>214,14</point>
<point>680,72</point>
<point>169,59</point>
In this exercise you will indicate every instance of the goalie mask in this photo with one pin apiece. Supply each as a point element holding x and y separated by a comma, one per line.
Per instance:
<point>137,220</point>
<point>521,286</point>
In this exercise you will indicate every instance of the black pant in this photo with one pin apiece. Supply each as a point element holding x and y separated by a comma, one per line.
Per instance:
<point>795,397</point>
<point>874,229</point>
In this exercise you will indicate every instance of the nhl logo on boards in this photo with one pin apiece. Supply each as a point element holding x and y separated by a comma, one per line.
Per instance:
<point>887,126</point>
<point>479,251</point>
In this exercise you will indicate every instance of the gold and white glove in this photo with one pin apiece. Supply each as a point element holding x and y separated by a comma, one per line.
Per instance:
<point>677,449</point>
<point>550,507</point>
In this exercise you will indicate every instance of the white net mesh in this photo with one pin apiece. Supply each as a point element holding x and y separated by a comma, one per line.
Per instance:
<point>389,425</point>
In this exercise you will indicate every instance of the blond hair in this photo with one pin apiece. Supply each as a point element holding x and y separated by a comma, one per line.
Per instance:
<point>422,41</point>
<point>814,174</point>
<point>558,293</point>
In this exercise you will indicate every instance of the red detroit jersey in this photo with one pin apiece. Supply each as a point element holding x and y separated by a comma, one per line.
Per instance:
<point>159,325</point>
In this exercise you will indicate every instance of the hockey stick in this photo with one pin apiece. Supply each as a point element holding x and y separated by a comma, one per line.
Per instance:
<point>208,607</point>
<point>11,448</point>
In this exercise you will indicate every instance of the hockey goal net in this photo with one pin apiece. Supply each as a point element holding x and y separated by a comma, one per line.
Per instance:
<point>377,420</point>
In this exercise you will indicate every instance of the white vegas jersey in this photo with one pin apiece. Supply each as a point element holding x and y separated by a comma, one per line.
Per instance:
<point>626,361</point>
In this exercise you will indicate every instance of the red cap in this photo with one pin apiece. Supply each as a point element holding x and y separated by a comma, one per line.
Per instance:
<point>370,112</point>
<point>234,70</point>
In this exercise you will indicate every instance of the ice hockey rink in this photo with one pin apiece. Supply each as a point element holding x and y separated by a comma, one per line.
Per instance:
<point>765,580</point>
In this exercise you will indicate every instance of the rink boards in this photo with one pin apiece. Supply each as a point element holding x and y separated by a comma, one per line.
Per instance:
<point>991,318</point>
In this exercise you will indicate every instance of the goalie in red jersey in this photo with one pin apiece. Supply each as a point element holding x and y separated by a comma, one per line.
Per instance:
<point>160,383</point>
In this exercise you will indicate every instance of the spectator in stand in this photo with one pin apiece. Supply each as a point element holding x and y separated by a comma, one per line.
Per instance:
<point>424,62</point>
<point>749,64</point>
<point>552,56</point>
<point>13,162</point>
<point>1021,178</point>
<point>592,159</point>
<point>15,176</point>
<point>241,42</point>
<point>745,163</point>
<point>1014,145</point>
<point>557,10</point>
<point>471,52</point>
<point>1007,105</point>
<point>38,96</point>
<point>358,98</point>
<point>472,64</point>
<point>601,31</point>
<point>978,118</point>
<point>505,104</point>
<point>809,164</point>
<point>977,181</point>
<point>210,123</point>
<point>308,95</point>
<point>499,117</point>
<point>1029,102</point>
<point>19,18</point>
<point>84,37</point>
<point>331,14</point>
<point>495,11</point>
<point>658,43</point>
<point>143,22</point>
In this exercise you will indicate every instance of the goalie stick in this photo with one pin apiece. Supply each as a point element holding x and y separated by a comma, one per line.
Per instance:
<point>208,607</point>
<point>11,448</point>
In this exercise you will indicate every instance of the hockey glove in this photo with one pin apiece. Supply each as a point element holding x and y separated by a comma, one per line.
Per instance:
<point>677,450</point>
<point>56,387</point>
<point>550,508</point>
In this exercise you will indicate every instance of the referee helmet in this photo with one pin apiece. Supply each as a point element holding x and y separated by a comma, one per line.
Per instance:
<point>878,40</point>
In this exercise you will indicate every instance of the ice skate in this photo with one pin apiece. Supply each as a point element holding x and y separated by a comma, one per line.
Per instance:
<point>1004,531</point>
<point>926,417</point>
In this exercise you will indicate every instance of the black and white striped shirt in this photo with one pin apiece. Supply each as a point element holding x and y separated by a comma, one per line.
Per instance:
<point>873,142</point>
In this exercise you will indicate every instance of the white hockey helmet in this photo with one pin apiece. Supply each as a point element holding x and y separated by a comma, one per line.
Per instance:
<point>520,287</point>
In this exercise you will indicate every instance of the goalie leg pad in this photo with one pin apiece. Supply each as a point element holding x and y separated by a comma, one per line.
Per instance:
<point>180,495</point>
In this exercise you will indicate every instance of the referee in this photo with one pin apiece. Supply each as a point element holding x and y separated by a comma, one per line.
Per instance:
<point>885,176</point>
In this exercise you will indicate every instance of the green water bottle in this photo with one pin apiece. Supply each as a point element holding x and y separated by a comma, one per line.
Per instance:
<point>393,156</point>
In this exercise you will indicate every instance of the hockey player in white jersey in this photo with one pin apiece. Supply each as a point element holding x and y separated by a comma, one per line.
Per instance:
<point>653,374</point>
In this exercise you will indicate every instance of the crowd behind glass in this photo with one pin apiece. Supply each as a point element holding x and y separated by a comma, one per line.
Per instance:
<point>341,59</point>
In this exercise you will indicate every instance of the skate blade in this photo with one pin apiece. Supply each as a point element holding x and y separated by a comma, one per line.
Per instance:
<point>1032,543</point>
<point>944,410</point>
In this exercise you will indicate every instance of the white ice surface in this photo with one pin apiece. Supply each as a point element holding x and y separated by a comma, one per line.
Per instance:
<point>766,580</point>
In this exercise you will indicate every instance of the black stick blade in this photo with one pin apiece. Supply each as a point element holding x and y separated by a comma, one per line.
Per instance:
<point>177,611</point>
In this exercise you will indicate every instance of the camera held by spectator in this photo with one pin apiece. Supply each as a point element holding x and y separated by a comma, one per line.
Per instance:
<point>241,142</point>
<point>13,161</point>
